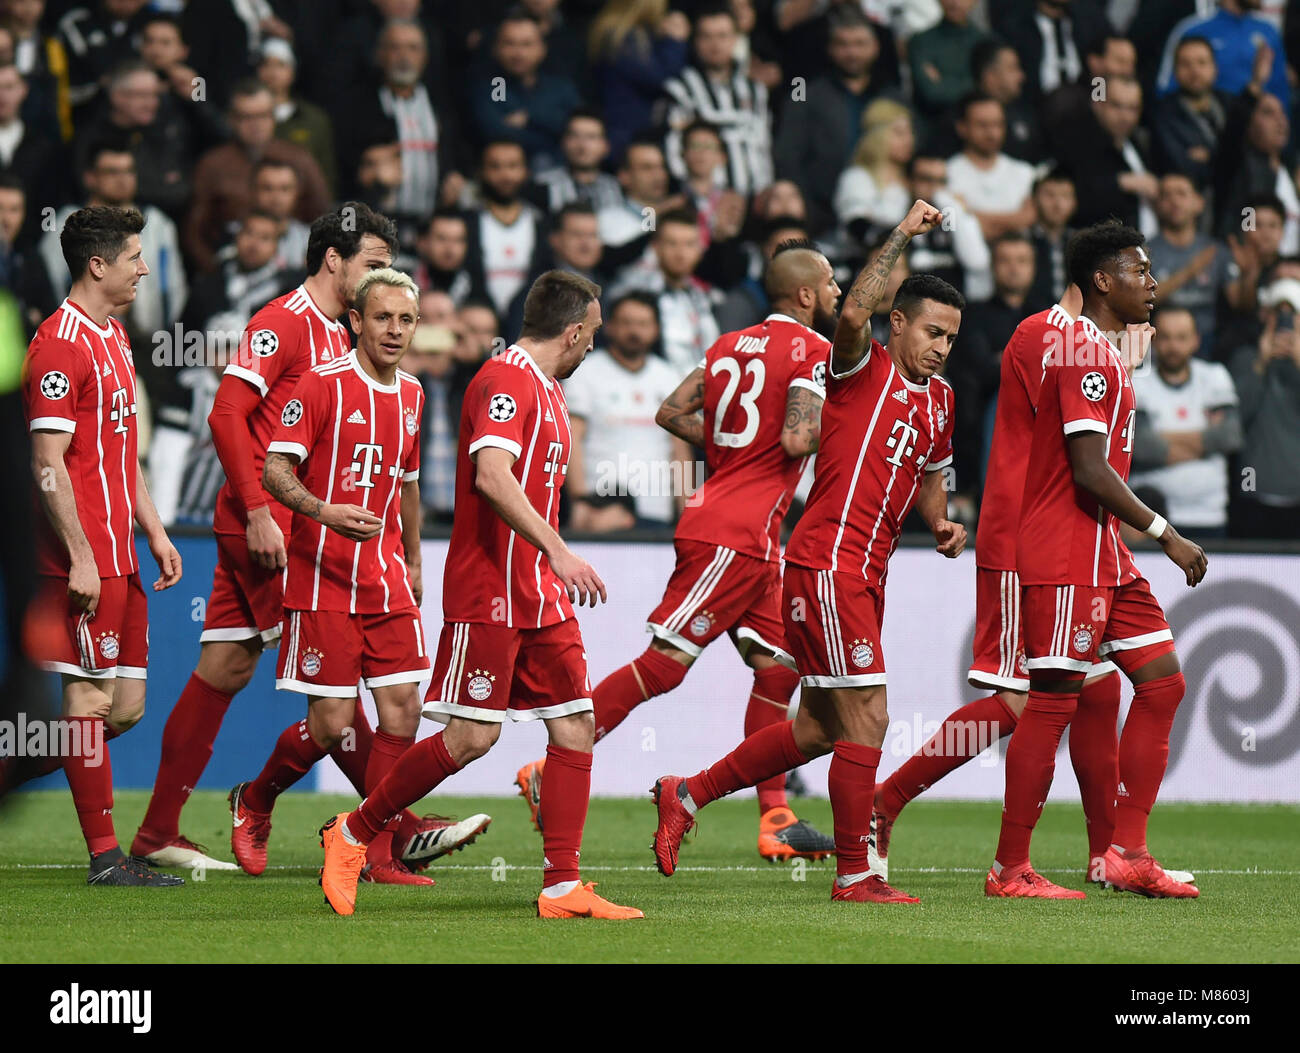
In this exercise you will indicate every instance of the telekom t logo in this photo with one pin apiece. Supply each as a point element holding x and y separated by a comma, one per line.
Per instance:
<point>902,440</point>
<point>367,460</point>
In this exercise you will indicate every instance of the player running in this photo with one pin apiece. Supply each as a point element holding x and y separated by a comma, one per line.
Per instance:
<point>510,644</point>
<point>886,432</point>
<point>1081,594</point>
<point>282,341</point>
<point>754,407</point>
<point>90,619</point>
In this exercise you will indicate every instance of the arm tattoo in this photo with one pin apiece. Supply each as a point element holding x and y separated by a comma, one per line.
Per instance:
<point>281,483</point>
<point>682,412</point>
<point>803,419</point>
<point>851,341</point>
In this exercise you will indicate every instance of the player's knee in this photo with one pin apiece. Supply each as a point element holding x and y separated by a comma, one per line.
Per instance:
<point>478,738</point>
<point>328,725</point>
<point>228,667</point>
<point>776,682</point>
<point>662,667</point>
<point>1163,694</point>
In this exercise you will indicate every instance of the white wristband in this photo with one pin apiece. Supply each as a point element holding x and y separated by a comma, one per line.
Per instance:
<point>1157,527</point>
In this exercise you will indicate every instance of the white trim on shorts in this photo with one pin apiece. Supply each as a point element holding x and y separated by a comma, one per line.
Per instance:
<point>856,680</point>
<point>442,712</point>
<point>133,672</point>
<point>779,654</point>
<point>1060,662</point>
<point>409,676</point>
<point>288,683</point>
<point>1131,642</point>
<point>668,636</point>
<point>977,678</point>
<point>75,670</point>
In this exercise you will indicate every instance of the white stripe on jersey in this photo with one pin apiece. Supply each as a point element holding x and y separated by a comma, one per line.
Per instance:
<point>528,461</point>
<point>329,492</point>
<point>99,459</point>
<point>129,394</point>
<point>857,469</point>
<point>554,411</point>
<point>884,503</point>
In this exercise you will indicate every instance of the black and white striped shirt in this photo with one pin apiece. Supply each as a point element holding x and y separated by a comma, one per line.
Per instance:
<point>417,128</point>
<point>561,189</point>
<point>739,110</point>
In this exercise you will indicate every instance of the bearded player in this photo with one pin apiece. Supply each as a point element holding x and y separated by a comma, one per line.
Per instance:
<point>886,433</point>
<point>90,619</point>
<point>510,645</point>
<point>285,339</point>
<point>754,407</point>
<point>1081,594</point>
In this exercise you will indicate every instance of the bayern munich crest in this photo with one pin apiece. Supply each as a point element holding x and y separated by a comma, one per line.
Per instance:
<point>292,413</point>
<point>863,654</point>
<point>54,385</point>
<point>480,684</point>
<point>701,623</point>
<point>311,662</point>
<point>264,343</point>
<point>1093,386</point>
<point>109,646</point>
<point>1082,639</point>
<point>412,422</point>
<point>501,408</point>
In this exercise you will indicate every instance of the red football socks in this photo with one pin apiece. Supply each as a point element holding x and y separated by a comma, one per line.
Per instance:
<point>385,749</point>
<point>90,777</point>
<point>852,785</point>
<point>1094,752</point>
<point>1143,756</point>
<point>187,741</point>
<point>965,734</point>
<point>653,673</point>
<point>762,755</point>
<point>294,754</point>
<point>1030,764</point>
<point>417,771</point>
<point>352,754</point>
<point>566,791</point>
<point>768,703</point>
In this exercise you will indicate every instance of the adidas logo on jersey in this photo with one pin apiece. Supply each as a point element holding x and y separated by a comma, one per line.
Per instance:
<point>108,369</point>
<point>901,395</point>
<point>549,418</point>
<point>356,417</point>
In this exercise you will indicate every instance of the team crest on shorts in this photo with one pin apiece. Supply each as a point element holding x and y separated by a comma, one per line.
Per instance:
<point>109,645</point>
<point>863,654</point>
<point>1021,664</point>
<point>701,623</point>
<point>412,422</point>
<point>1082,638</point>
<point>480,684</point>
<point>312,661</point>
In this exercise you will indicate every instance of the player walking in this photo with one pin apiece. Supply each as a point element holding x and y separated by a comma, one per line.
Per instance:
<point>90,614</point>
<point>1081,594</point>
<point>282,341</point>
<point>510,644</point>
<point>754,407</point>
<point>886,432</point>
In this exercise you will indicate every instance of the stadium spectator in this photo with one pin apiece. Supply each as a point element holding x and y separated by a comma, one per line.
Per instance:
<point>226,38</point>
<point>96,37</point>
<point>1190,266</point>
<point>223,178</point>
<point>378,175</point>
<point>719,209</point>
<point>1051,37</point>
<point>940,60</point>
<point>994,188</point>
<point>1110,57</point>
<point>874,187</point>
<point>431,360</point>
<point>22,270</point>
<point>955,250</point>
<point>816,137</point>
<point>1105,158</point>
<point>643,176</point>
<point>1251,161</point>
<point>565,53</point>
<point>1267,496</point>
<point>579,178</point>
<point>443,247</point>
<point>515,99</point>
<point>575,242</point>
<point>163,49</point>
<point>1054,205</point>
<point>716,89</point>
<point>26,150</point>
<point>1187,426</point>
<point>246,275</point>
<point>747,302</point>
<point>624,470</point>
<point>1240,40</point>
<point>634,47</point>
<point>1256,258</point>
<point>996,71</point>
<point>1187,123</point>
<point>41,59</point>
<point>161,138</point>
<point>296,120</point>
<point>275,192</point>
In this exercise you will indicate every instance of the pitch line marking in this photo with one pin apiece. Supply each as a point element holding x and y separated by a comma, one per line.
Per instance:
<point>1247,872</point>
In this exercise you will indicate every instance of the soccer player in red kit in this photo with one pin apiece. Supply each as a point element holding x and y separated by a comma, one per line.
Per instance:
<point>754,407</point>
<point>510,645</point>
<point>90,618</point>
<point>352,589</point>
<point>1081,594</point>
<point>286,338</point>
<point>886,433</point>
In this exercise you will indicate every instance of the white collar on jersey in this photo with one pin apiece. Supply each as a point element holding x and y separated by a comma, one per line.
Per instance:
<point>1090,327</point>
<point>106,332</point>
<point>777,316</point>
<point>529,359</point>
<point>395,386</point>
<point>333,323</point>
<point>920,389</point>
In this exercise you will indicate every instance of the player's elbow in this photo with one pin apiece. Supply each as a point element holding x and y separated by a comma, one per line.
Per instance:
<point>664,417</point>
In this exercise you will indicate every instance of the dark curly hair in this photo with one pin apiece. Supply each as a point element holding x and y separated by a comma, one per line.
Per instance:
<point>343,228</point>
<point>97,230</point>
<point>919,287</point>
<point>1094,248</point>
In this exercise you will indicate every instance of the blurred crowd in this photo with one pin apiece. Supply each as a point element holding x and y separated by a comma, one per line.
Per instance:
<point>666,154</point>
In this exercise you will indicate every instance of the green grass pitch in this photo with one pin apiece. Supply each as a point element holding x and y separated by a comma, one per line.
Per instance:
<point>725,905</point>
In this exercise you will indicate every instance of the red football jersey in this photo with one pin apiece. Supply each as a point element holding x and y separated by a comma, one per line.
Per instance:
<point>880,434</point>
<point>286,338</point>
<point>1065,537</point>
<point>1035,338</point>
<point>80,378</point>
<point>747,376</point>
<point>357,442</point>
<point>492,574</point>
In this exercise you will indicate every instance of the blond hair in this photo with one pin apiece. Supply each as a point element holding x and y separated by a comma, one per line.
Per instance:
<point>384,276</point>
<point>618,20</point>
<point>872,151</point>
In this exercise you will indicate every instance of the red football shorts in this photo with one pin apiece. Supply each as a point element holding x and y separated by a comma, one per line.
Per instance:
<point>113,641</point>
<point>325,653</point>
<point>832,627</point>
<point>998,654</point>
<point>247,600</point>
<point>1070,626</point>
<point>715,590</point>
<point>488,672</point>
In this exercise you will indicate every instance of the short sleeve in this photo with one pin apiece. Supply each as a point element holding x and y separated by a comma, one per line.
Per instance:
<point>498,406</point>
<point>1087,394</point>
<point>303,418</point>
<point>411,465</point>
<point>945,411</point>
<point>267,348</point>
<point>56,373</point>
<point>811,358</point>
<point>841,380</point>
